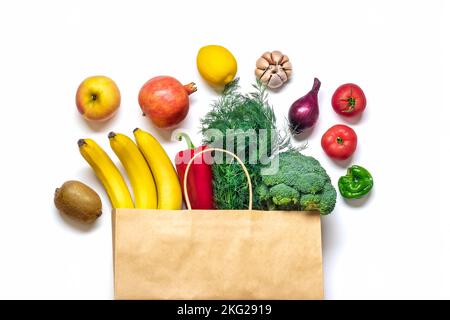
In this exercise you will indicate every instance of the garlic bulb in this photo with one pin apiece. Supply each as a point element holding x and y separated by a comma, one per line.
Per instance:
<point>273,69</point>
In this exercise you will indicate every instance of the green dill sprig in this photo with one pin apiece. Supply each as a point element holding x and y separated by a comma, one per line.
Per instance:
<point>234,110</point>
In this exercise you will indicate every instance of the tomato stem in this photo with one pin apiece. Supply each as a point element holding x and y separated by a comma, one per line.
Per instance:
<point>339,140</point>
<point>351,103</point>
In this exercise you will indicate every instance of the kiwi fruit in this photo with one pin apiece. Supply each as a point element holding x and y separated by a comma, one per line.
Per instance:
<point>78,201</point>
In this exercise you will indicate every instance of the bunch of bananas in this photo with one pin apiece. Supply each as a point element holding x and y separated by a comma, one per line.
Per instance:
<point>152,176</point>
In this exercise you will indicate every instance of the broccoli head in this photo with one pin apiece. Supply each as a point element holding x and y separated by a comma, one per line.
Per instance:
<point>278,197</point>
<point>323,202</point>
<point>299,184</point>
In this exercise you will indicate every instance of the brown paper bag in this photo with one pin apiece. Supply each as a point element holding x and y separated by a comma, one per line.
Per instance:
<point>217,254</point>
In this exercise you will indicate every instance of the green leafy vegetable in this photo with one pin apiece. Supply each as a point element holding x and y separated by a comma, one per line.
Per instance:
<point>298,183</point>
<point>237,111</point>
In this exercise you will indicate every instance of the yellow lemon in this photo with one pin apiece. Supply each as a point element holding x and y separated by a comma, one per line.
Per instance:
<point>216,65</point>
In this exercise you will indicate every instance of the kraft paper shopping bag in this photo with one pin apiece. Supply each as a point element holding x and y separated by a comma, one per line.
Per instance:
<point>215,254</point>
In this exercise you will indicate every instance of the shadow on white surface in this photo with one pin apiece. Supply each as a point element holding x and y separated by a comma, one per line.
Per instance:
<point>98,126</point>
<point>164,135</point>
<point>304,135</point>
<point>351,120</point>
<point>329,234</point>
<point>343,163</point>
<point>77,225</point>
<point>357,203</point>
<point>213,90</point>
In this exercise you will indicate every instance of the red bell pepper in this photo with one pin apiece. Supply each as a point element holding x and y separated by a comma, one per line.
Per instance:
<point>199,180</point>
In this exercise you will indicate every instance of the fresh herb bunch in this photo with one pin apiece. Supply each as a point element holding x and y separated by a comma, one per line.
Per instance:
<point>237,111</point>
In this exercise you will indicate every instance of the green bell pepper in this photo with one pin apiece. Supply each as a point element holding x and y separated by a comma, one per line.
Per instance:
<point>356,184</point>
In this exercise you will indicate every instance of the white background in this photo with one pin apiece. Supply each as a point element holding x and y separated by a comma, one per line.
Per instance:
<point>395,244</point>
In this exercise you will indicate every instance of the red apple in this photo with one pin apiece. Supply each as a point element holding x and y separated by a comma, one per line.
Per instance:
<point>98,98</point>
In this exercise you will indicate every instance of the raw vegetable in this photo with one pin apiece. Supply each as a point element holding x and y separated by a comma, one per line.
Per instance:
<point>273,69</point>
<point>300,184</point>
<point>356,184</point>
<point>348,100</point>
<point>304,112</point>
<point>199,180</point>
<point>165,100</point>
<point>78,201</point>
<point>216,65</point>
<point>234,110</point>
<point>339,142</point>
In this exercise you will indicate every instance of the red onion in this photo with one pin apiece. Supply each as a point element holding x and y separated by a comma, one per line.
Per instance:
<point>304,112</point>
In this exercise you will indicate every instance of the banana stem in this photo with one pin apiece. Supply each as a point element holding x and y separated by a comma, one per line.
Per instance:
<point>81,142</point>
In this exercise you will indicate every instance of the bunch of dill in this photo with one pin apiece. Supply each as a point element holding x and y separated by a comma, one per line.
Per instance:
<point>234,110</point>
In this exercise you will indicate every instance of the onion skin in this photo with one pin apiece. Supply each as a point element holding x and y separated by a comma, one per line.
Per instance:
<point>304,112</point>
<point>165,100</point>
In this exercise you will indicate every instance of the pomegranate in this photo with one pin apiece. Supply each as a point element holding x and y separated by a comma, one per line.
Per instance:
<point>165,100</point>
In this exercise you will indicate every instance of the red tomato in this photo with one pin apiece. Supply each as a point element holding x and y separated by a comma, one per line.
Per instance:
<point>339,142</point>
<point>348,100</point>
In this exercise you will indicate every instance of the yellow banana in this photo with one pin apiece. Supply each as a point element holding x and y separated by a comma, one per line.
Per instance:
<point>138,172</point>
<point>107,173</point>
<point>166,179</point>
